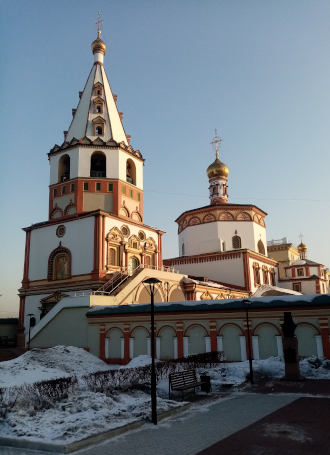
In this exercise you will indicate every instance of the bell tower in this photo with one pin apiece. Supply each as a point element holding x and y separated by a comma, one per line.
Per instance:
<point>218,173</point>
<point>96,168</point>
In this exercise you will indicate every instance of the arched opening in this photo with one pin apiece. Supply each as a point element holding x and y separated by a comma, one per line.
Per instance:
<point>306,340</point>
<point>130,172</point>
<point>196,341</point>
<point>140,342</point>
<point>59,264</point>
<point>98,165</point>
<point>237,243</point>
<point>177,295</point>
<point>261,247</point>
<point>231,343</point>
<point>133,264</point>
<point>144,296</point>
<point>64,168</point>
<point>267,341</point>
<point>166,348</point>
<point>114,340</point>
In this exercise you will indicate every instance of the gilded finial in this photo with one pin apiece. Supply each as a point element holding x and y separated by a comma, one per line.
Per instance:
<point>99,24</point>
<point>98,46</point>
<point>216,141</point>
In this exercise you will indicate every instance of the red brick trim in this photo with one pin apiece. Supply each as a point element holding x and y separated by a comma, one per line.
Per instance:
<point>25,282</point>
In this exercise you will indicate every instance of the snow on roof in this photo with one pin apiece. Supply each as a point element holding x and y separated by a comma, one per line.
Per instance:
<point>282,301</point>
<point>268,290</point>
<point>46,364</point>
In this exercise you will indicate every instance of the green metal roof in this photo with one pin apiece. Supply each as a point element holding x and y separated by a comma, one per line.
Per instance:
<point>271,302</point>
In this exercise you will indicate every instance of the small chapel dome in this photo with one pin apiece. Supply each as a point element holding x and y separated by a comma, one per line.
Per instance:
<point>302,247</point>
<point>217,169</point>
<point>98,46</point>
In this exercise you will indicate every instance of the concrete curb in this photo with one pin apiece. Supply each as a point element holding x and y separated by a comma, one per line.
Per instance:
<point>73,446</point>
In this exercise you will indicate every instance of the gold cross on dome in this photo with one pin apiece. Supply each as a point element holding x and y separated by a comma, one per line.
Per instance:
<point>216,141</point>
<point>301,236</point>
<point>99,24</point>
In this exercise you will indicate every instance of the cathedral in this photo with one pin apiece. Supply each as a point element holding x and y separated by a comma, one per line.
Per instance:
<point>85,267</point>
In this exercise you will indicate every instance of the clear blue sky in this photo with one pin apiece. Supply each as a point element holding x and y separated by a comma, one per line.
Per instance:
<point>258,70</point>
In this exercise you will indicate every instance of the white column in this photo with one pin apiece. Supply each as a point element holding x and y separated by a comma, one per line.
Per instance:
<point>185,346</point>
<point>157,347</point>
<point>148,347</point>
<point>319,346</point>
<point>243,347</point>
<point>207,344</point>
<point>121,348</point>
<point>255,347</point>
<point>220,344</point>
<point>175,347</point>
<point>279,346</point>
<point>131,348</point>
<point>107,347</point>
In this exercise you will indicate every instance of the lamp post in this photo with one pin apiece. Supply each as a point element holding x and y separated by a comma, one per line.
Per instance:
<point>151,282</point>
<point>30,315</point>
<point>247,304</point>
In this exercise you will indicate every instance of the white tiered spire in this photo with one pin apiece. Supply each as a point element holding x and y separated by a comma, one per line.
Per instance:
<point>82,124</point>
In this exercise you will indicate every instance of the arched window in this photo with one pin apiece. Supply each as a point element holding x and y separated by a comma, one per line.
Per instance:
<point>59,264</point>
<point>113,255</point>
<point>237,242</point>
<point>99,130</point>
<point>182,249</point>
<point>98,165</point>
<point>130,172</point>
<point>64,168</point>
<point>261,247</point>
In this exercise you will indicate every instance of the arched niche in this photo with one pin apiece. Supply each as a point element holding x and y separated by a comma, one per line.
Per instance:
<point>59,264</point>
<point>64,168</point>
<point>98,165</point>
<point>130,172</point>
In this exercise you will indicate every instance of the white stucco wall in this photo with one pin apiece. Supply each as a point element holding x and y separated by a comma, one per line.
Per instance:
<point>78,238</point>
<point>80,164</point>
<point>229,271</point>
<point>208,237</point>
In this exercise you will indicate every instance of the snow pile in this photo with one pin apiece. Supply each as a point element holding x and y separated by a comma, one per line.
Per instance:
<point>314,368</point>
<point>80,415</point>
<point>45,364</point>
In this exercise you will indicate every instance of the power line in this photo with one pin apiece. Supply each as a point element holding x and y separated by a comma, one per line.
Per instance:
<point>245,197</point>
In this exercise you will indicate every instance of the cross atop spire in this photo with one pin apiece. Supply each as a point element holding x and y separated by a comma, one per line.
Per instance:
<point>216,141</point>
<point>301,237</point>
<point>99,24</point>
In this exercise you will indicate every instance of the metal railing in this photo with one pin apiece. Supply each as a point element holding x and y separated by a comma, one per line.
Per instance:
<point>119,278</point>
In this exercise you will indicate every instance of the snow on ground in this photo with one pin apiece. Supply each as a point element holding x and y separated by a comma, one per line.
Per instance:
<point>83,412</point>
<point>45,364</point>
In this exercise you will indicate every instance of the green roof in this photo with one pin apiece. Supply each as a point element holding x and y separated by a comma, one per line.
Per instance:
<point>281,302</point>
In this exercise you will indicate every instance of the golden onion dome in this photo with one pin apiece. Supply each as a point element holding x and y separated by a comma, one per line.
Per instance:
<point>302,247</point>
<point>217,169</point>
<point>99,46</point>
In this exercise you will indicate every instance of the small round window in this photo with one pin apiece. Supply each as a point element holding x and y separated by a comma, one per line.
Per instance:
<point>125,230</point>
<point>141,235</point>
<point>60,231</point>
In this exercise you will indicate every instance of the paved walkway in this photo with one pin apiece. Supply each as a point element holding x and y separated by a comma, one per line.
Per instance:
<point>300,428</point>
<point>196,429</point>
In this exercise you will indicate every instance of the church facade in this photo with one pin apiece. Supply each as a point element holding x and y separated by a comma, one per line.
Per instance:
<point>223,241</point>
<point>85,267</point>
<point>95,238</point>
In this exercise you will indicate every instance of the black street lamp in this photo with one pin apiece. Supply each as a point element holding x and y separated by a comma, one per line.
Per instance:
<point>248,303</point>
<point>151,282</point>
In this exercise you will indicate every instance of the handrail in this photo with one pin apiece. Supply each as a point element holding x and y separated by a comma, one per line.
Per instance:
<point>124,275</point>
